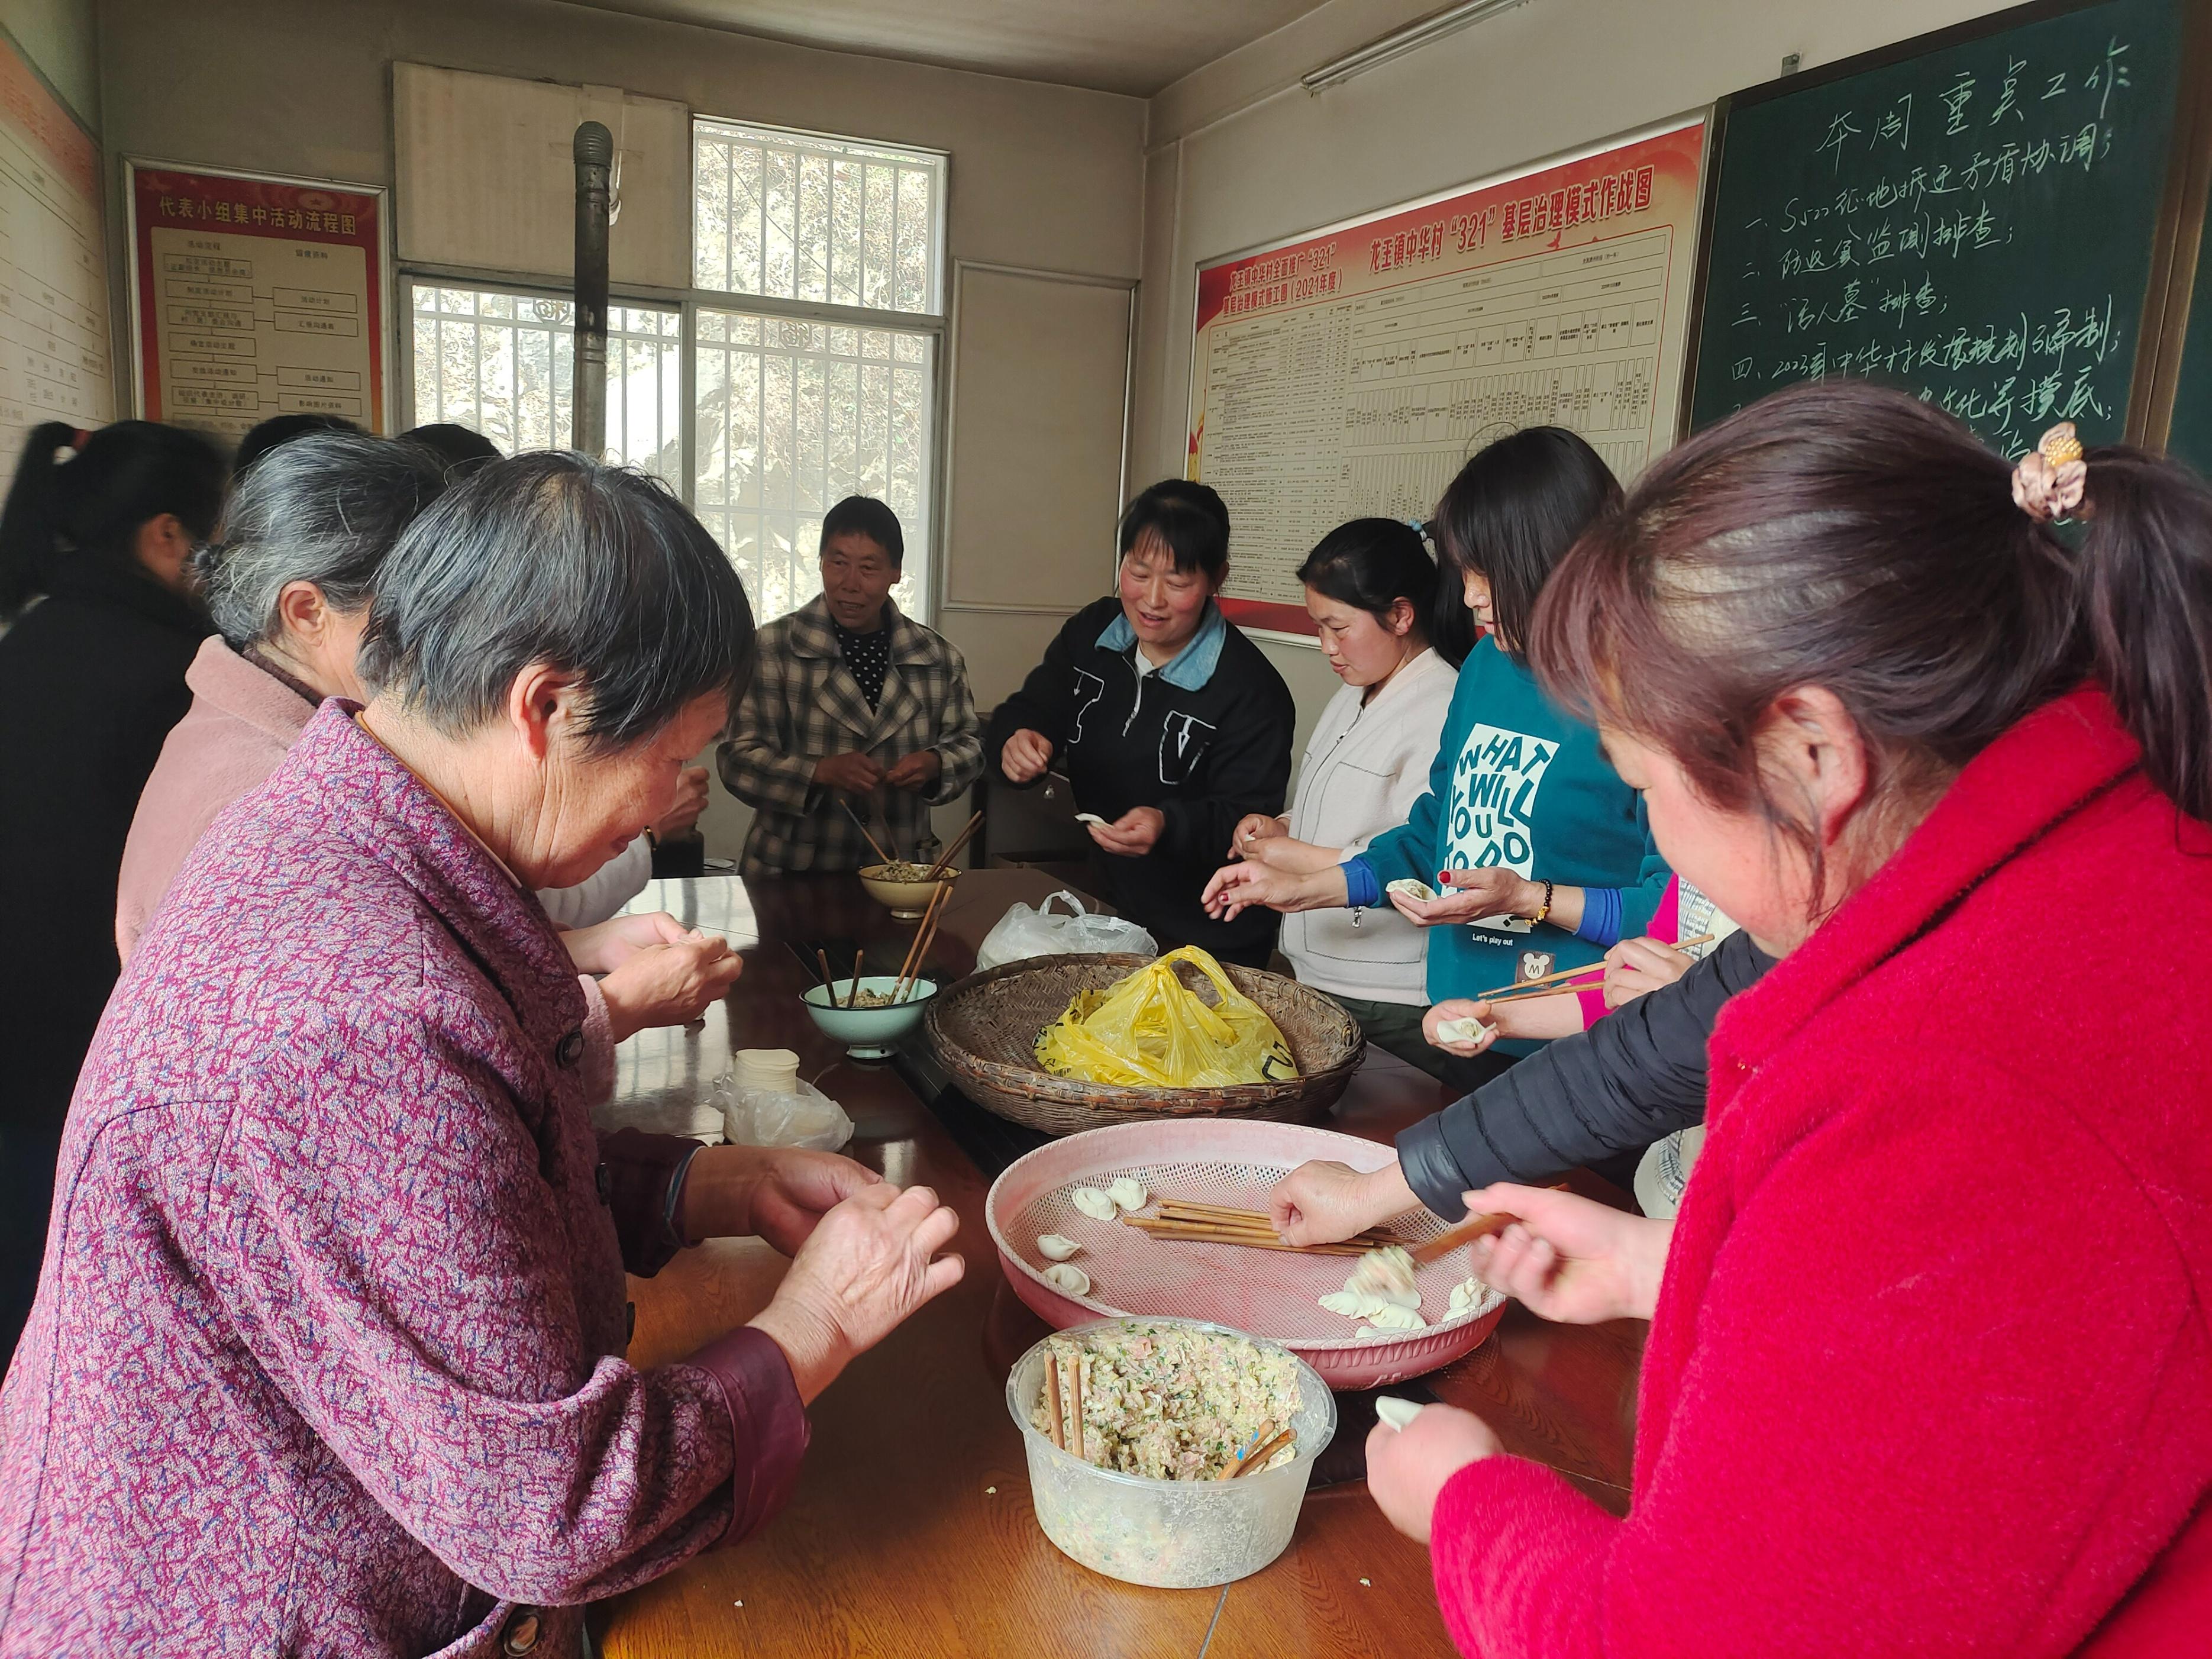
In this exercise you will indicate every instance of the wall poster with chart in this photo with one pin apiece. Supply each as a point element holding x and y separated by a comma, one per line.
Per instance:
<point>253,296</point>
<point>1349,372</point>
<point>54,360</point>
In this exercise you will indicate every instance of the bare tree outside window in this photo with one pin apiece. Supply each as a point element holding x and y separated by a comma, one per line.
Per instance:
<point>813,324</point>
<point>504,364</point>
<point>791,414</point>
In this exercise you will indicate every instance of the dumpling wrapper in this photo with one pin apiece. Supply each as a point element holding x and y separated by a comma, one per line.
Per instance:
<point>1094,1203</point>
<point>1373,1333</point>
<point>1469,1029</point>
<point>1466,1296</point>
<point>1129,1192</point>
<point>1057,1247</point>
<point>1352,1304</point>
<point>1396,1412</point>
<point>1420,891</point>
<point>1387,1273</point>
<point>1392,1317</point>
<point>1089,817</point>
<point>1073,1280</point>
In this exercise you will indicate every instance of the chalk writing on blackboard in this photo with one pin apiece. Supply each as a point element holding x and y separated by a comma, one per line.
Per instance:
<point>1880,250</point>
<point>1969,225</point>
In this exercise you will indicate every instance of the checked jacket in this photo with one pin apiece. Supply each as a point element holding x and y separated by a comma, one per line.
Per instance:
<point>803,704</point>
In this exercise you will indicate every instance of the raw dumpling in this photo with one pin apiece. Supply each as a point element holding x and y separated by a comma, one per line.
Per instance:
<point>1392,1317</point>
<point>1373,1333</point>
<point>1420,891</point>
<point>1057,1247</point>
<point>1073,1280</point>
<point>1466,1296</point>
<point>1353,1304</point>
<point>1129,1192</point>
<point>1469,1029</point>
<point>1396,1412</point>
<point>1387,1273</point>
<point>1093,1203</point>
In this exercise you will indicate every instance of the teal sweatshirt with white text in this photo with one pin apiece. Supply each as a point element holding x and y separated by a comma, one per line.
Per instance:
<point>1518,783</point>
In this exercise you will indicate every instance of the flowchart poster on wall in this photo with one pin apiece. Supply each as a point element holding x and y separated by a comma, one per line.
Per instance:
<point>53,265</point>
<point>254,297</point>
<point>1351,372</point>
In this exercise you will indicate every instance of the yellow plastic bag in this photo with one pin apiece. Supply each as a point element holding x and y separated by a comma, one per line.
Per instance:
<point>1152,1031</point>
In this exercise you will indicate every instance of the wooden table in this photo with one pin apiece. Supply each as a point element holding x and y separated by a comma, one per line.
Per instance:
<point>911,1532</point>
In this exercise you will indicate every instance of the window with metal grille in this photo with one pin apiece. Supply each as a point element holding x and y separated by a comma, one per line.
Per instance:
<point>795,215</point>
<point>503,363</point>
<point>814,336</point>
<point>819,263</point>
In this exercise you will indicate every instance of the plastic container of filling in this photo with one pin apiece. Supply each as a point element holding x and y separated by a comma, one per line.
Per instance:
<point>1174,1535</point>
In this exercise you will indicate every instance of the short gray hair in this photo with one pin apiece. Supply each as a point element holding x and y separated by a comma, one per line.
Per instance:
<point>553,557</point>
<point>325,508</point>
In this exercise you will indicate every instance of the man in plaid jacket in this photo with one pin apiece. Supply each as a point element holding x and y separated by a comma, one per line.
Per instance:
<point>854,704</point>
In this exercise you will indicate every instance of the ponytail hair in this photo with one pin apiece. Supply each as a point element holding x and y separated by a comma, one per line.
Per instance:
<point>29,525</point>
<point>2147,594</point>
<point>1848,536</point>
<point>91,505</point>
<point>1372,563</point>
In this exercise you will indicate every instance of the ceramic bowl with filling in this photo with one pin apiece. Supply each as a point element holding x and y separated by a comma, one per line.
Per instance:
<point>906,900</point>
<point>868,1033</point>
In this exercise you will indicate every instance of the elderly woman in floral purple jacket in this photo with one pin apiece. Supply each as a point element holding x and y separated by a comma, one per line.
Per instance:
<point>326,1357</point>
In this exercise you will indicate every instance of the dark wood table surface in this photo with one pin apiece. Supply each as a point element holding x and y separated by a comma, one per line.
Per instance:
<point>911,1532</point>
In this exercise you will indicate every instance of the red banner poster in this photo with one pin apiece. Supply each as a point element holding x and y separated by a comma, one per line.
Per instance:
<point>54,362</point>
<point>1350,373</point>
<point>255,297</point>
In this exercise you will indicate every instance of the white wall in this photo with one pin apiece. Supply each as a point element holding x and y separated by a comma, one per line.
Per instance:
<point>61,39</point>
<point>1041,177</point>
<point>1238,154</point>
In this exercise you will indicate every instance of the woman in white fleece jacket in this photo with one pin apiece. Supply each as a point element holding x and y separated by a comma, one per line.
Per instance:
<point>1371,590</point>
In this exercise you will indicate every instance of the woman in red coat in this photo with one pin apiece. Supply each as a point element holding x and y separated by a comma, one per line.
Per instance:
<point>1929,1369</point>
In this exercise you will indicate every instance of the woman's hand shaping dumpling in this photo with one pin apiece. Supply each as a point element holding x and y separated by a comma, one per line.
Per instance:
<point>872,1261</point>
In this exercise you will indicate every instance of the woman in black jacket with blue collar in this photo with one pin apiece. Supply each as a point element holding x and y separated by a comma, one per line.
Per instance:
<point>1170,724</point>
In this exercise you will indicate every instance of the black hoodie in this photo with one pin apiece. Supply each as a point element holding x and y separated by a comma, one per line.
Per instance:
<point>92,677</point>
<point>1206,751</point>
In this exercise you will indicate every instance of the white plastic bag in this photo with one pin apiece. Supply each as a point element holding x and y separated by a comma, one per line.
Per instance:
<point>775,1117</point>
<point>1023,933</point>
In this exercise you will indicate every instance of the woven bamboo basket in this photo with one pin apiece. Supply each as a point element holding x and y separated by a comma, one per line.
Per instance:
<point>985,1029</point>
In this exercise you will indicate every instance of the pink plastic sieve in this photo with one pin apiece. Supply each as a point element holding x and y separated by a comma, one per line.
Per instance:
<point>1270,1293</point>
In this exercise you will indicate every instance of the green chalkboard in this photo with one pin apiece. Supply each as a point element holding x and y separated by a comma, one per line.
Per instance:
<point>2190,437</point>
<point>1972,215</point>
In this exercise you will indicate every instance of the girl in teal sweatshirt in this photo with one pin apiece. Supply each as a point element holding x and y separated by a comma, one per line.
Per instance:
<point>1539,854</point>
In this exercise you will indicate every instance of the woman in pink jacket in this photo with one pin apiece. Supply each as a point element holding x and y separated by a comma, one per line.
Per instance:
<point>327,1352</point>
<point>287,579</point>
<point>1929,1363</point>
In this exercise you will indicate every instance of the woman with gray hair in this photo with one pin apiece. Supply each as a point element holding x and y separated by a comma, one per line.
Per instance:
<point>288,582</point>
<point>328,1350</point>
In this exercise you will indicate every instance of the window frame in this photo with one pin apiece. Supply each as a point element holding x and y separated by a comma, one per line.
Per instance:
<point>413,277</point>
<point>825,311</point>
<point>689,300</point>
